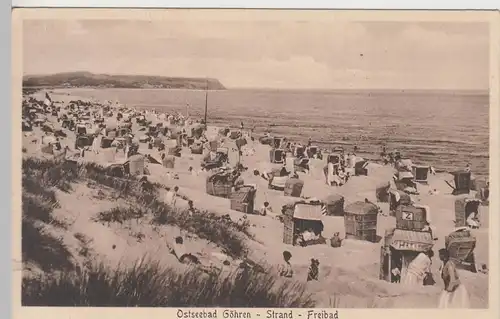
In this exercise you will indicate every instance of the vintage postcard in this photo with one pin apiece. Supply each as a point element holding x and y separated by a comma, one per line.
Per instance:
<point>255,163</point>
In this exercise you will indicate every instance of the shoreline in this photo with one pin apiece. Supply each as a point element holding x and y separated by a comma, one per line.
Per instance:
<point>324,145</point>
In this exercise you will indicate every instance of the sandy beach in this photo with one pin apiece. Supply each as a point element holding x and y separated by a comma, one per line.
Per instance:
<point>349,275</point>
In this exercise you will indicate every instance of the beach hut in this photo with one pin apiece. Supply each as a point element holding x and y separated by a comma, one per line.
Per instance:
<point>168,161</point>
<point>382,192</point>
<point>242,199</point>
<point>136,164</point>
<point>213,145</point>
<point>421,173</point>
<point>81,129</point>
<point>360,220</point>
<point>152,128</point>
<point>277,182</point>
<point>460,245</point>
<point>464,206</point>
<point>197,131</point>
<point>334,205</point>
<point>293,187</point>
<point>277,142</point>
<point>335,158</point>
<point>111,134</point>
<point>400,247</point>
<point>106,142</point>
<point>410,217</point>
<point>313,152</point>
<point>197,148</point>
<point>266,140</point>
<point>462,181</point>
<point>404,164</point>
<point>405,180</point>
<point>299,151</point>
<point>396,198</point>
<point>48,127</point>
<point>83,141</point>
<point>360,168</point>
<point>300,217</point>
<point>277,156</point>
<point>301,164</point>
<point>219,184</point>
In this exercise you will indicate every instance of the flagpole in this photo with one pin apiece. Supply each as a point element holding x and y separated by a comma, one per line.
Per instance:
<point>206,101</point>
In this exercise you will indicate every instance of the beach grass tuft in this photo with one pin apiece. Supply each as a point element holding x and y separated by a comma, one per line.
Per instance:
<point>148,284</point>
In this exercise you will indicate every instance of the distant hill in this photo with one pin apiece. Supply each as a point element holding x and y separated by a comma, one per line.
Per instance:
<point>91,80</point>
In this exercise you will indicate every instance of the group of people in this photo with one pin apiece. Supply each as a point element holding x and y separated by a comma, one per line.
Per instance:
<point>418,272</point>
<point>286,270</point>
<point>338,173</point>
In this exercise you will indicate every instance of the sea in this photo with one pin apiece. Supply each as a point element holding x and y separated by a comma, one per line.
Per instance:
<point>445,129</point>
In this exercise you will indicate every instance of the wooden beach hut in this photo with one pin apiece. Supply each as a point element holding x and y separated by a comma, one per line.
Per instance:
<point>242,199</point>
<point>360,220</point>
<point>399,249</point>
<point>464,206</point>
<point>300,216</point>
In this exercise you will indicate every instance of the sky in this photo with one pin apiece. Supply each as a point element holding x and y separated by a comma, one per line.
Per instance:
<point>281,54</point>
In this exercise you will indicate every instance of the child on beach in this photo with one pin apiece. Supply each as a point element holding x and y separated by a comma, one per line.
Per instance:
<point>313,272</point>
<point>285,270</point>
<point>266,209</point>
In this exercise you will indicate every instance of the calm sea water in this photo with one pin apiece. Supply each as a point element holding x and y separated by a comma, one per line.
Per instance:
<point>444,129</point>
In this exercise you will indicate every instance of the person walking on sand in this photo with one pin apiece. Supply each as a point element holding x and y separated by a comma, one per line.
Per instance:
<point>191,209</point>
<point>285,270</point>
<point>454,294</point>
<point>313,272</point>
<point>418,269</point>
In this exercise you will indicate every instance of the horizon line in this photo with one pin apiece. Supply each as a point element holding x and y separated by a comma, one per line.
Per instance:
<point>266,87</point>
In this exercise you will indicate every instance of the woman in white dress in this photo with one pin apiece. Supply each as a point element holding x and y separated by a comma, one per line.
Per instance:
<point>418,269</point>
<point>454,294</point>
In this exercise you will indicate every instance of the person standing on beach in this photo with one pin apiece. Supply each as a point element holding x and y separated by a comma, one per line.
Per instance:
<point>191,210</point>
<point>285,270</point>
<point>418,269</point>
<point>432,170</point>
<point>454,294</point>
<point>467,168</point>
<point>96,144</point>
<point>313,272</point>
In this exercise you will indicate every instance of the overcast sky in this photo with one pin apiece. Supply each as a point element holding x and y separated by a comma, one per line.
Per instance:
<point>272,54</point>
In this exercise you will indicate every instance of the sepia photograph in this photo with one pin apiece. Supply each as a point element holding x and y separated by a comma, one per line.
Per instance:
<point>255,159</point>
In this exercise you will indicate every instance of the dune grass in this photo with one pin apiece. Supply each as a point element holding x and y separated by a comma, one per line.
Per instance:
<point>43,175</point>
<point>39,246</point>
<point>148,284</point>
